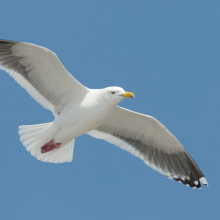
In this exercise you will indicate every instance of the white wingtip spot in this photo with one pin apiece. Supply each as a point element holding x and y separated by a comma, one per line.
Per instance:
<point>196,182</point>
<point>169,177</point>
<point>203,181</point>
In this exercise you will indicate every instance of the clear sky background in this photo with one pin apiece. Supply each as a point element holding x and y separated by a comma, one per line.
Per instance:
<point>167,53</point>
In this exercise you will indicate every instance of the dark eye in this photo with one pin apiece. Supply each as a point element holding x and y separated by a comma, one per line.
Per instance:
<point>113,92</point>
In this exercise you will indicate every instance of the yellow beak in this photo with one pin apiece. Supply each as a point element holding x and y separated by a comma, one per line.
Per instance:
<point>128,94</point>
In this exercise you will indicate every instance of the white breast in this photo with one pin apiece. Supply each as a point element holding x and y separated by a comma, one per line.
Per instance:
<point>80,118</point>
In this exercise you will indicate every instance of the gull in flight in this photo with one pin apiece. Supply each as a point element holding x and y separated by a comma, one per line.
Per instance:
<point>79,110</point>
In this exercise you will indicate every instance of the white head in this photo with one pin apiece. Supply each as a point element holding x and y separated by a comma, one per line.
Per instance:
<point>112,95</point>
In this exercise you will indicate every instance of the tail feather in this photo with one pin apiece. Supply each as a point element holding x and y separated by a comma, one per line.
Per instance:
<point>34,137</point>
<point>60,155</point>
<point>24,128</point>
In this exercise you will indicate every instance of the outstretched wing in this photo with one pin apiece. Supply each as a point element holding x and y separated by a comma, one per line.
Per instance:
<point>40,72</point>
<point>148,139</point>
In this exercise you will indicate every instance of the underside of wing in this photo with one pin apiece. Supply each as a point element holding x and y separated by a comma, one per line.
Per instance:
<point>40,72</point>
<point>146,138</point>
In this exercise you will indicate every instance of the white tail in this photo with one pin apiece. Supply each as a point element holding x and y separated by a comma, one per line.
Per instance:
<point>34,137</point>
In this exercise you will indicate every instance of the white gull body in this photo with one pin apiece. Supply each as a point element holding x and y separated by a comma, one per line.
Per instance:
<point>85,115</point>
<point>79,110</point>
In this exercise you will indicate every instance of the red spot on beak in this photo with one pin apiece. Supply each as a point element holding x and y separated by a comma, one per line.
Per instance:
<point>131,96</point>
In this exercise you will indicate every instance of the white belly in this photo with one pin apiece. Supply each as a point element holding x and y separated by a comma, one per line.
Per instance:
<point>79,119</point>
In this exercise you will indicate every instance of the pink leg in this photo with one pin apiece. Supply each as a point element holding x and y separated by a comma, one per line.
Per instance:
<point>49,146</point>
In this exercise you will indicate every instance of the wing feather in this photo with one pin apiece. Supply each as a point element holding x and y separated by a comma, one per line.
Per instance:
<point>148,139</point>
<point>40,72</point>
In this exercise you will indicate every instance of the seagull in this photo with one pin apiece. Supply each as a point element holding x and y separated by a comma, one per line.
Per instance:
<point>79,110</point>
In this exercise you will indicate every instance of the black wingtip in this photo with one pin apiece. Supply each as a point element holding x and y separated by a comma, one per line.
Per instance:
<point>2,41</point>
<point>192,182</point>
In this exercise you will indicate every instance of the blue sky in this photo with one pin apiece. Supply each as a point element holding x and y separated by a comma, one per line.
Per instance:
<point>167,53</point>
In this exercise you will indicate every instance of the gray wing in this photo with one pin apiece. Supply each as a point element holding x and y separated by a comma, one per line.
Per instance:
<point>148,139</point>
<point>40,72</point>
